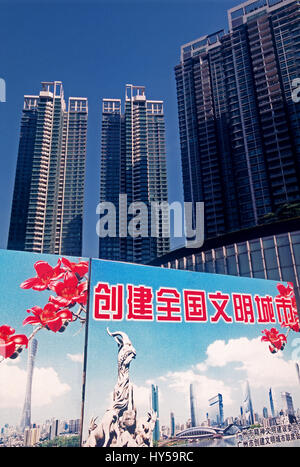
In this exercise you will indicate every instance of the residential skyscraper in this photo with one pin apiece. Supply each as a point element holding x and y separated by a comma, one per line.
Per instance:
<point>239,126</point>
<point>133,171</point>
<point>47,208</point>
<point>26,413</point>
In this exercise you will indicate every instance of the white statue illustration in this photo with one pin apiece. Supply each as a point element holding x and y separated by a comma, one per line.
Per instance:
<point>119,426</point>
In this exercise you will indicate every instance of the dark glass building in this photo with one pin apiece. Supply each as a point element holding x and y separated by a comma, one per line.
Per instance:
<point>240,134</point>
<point>133,171</point>
<point>269,251</point>
<point>239,126</point>
<point>47,206</point>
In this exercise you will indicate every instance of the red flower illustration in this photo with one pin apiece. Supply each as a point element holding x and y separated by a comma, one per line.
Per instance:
<point>80,268</point>
<point>294,325</point>
<point>286,291</point>
<point>277,340</point>
<point>50,316</point>
<point>46,276</point>
<point>70,291</point>
<point>9,342</point>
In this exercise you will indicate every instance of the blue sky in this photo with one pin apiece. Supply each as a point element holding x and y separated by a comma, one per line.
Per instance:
<point>95,48</point>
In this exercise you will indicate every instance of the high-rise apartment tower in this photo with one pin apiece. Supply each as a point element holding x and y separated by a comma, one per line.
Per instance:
<point>47,208</point>
<point>133,173</point>
<point>239,123</point>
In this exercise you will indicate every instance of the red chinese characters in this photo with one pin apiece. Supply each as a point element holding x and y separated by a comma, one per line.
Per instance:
<point>287,308</point>
<point>140,303</point>
<point>285,311</point>
<point>243,308</point>
<point>195,308</point>
<point>167,309</point>
<point>108,302</point>
<point>265,309</point>
<point>220,302</point>
<point>167,304</point>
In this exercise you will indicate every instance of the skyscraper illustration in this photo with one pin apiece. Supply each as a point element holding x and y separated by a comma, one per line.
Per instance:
<point>133,165</point>
<point>247,404</point>
<point>239,125</point>
<point>172,419</point>
<point>26,413</point>
<point>287,401</point>
<point>298,372</point>
<point>47,207</point>
<point>216,409</point>
<point>272,402</point>
<point>265,412</point>
<point>155,408</point>
<point>192,405</point>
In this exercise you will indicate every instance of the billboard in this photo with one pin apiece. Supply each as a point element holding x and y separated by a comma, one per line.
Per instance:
<point>42,335</point>
<point>103,354</point>
<point>165,348</point>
